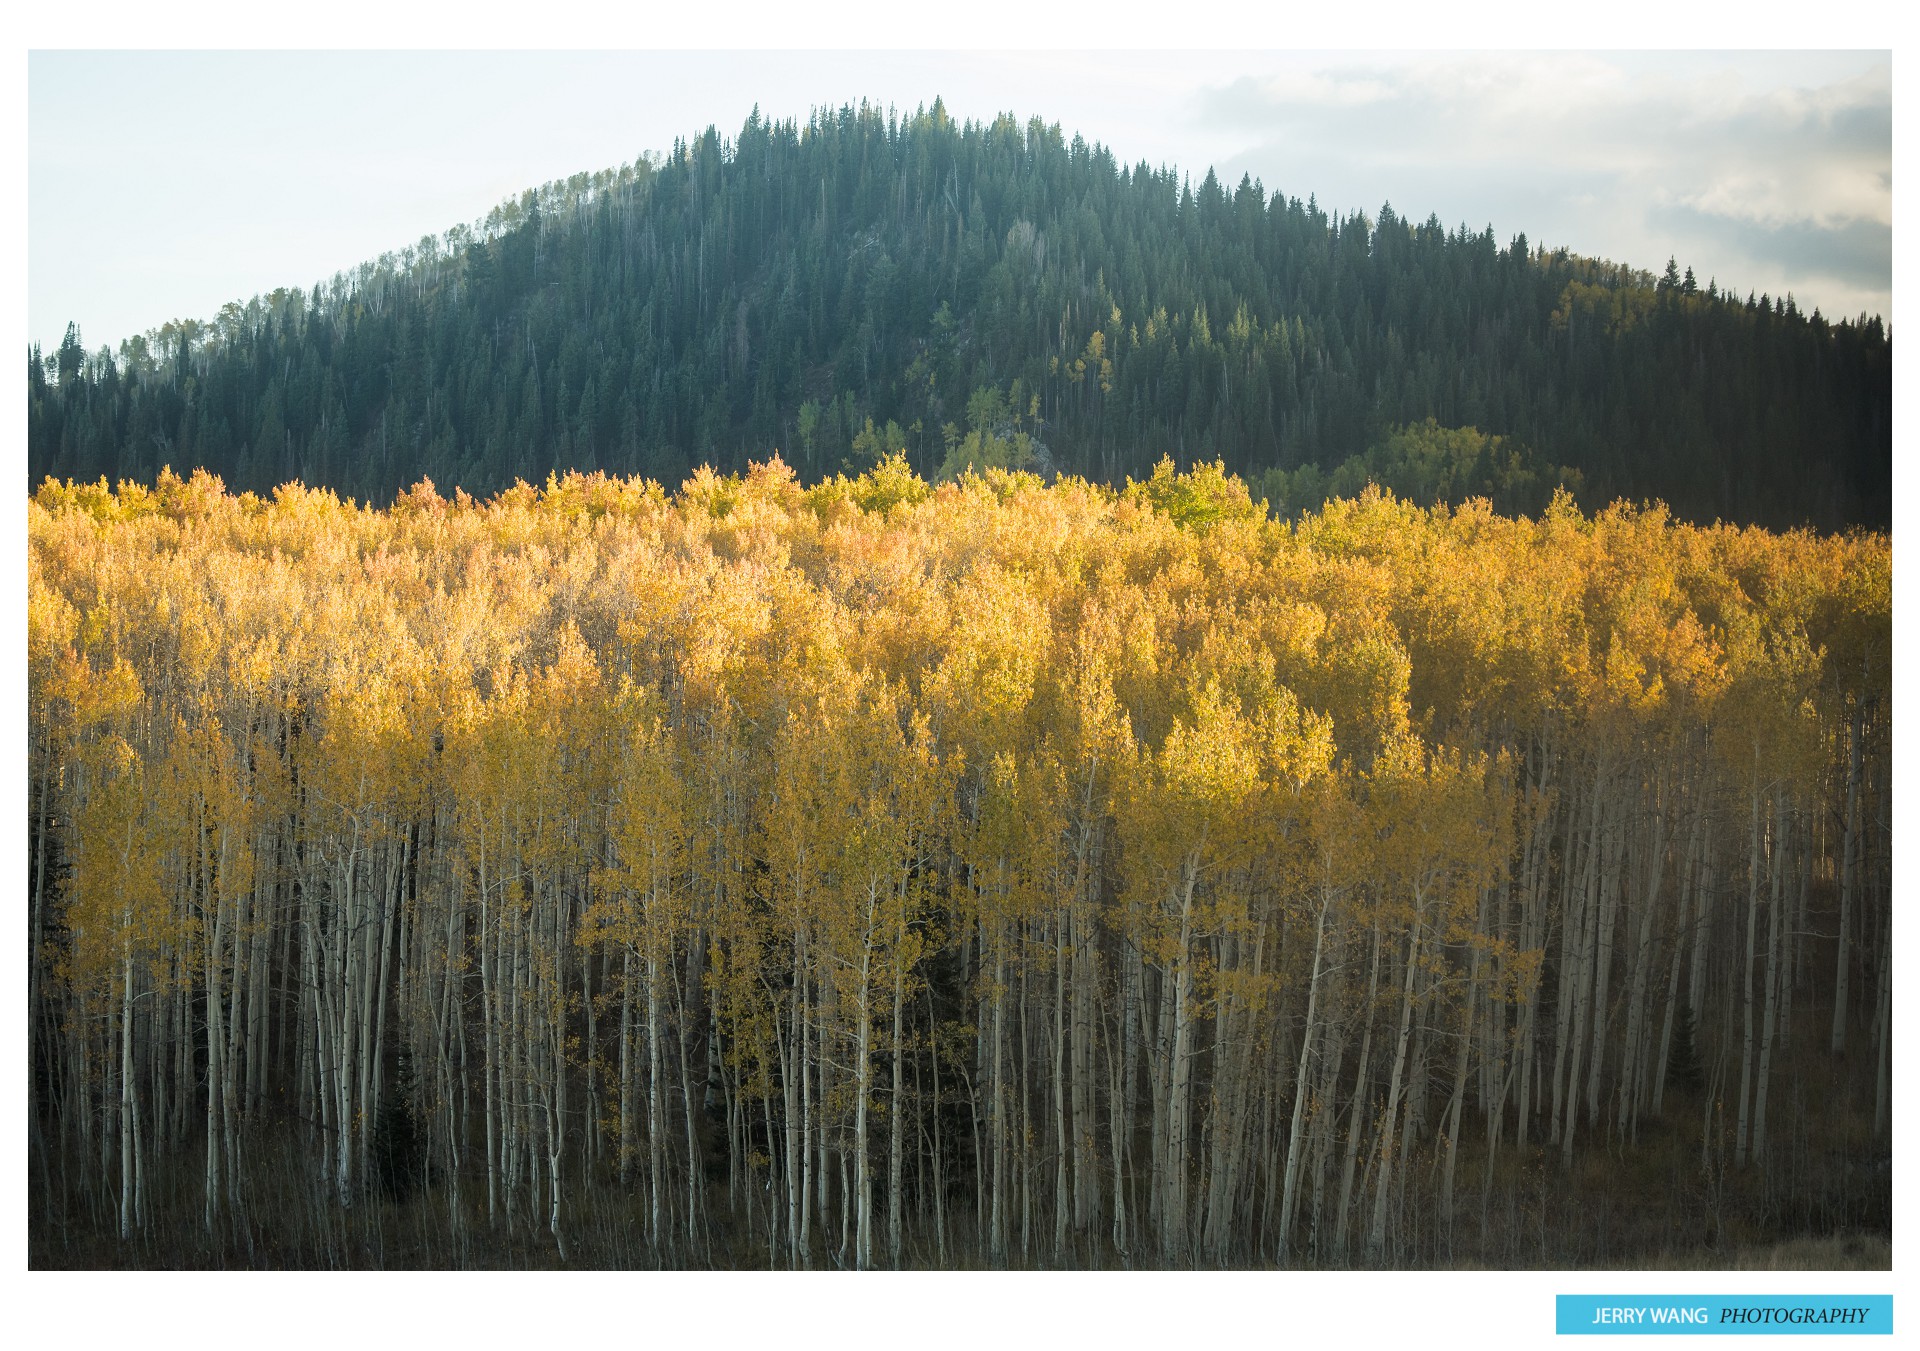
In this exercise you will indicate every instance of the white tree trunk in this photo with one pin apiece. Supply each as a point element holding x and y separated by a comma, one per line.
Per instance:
<point>1843,960</point>
<point>1290,1186</point>
<point>1746,974</point>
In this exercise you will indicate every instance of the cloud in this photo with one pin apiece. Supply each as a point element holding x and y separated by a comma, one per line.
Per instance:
<point>1858,253</point>
<point>1776,159</point>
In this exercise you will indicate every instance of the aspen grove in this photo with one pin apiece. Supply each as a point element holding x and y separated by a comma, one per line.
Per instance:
<point>995,872</point>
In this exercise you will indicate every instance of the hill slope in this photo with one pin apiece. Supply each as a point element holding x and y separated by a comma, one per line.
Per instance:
<point>863,283</point>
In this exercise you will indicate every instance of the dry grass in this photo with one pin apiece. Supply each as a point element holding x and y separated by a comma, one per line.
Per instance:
<point>1838,1252</point>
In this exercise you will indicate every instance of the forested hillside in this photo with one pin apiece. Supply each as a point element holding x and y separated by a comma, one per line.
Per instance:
<point>996,295</point>
<point>992,872</point>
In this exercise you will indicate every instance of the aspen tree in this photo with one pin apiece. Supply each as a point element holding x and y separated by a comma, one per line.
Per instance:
<point>1177,851</point>
<point>1440,844</point>
<point>1338,846</point>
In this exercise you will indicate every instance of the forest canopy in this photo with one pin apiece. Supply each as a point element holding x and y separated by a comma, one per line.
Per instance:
<point>984,871</point>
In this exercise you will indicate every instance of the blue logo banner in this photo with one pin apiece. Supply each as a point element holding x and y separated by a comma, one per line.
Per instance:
<point>1719,1315</point>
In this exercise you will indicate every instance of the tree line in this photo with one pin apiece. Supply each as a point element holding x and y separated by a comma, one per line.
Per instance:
<point>868,283</point>
<point>1001,872</point>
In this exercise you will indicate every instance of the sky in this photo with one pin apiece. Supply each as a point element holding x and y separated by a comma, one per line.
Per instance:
<point>162,184</point>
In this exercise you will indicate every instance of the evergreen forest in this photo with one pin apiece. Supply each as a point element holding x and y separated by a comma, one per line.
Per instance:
<point>991,295</point>
<point>991,868</point>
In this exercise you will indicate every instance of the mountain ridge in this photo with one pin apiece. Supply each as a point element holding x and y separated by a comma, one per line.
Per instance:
<point>992,293</point>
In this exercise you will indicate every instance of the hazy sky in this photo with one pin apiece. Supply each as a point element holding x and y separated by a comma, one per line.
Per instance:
<point>163,184</point>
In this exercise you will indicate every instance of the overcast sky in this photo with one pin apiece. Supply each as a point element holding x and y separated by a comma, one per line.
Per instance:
<point>163,184</point>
